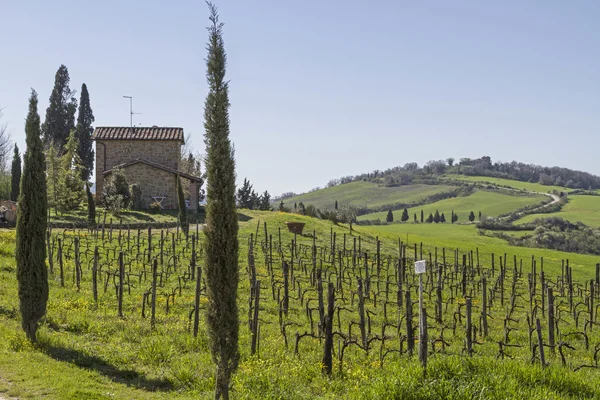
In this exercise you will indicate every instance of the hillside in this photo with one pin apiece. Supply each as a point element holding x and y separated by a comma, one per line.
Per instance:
<point>580,208</point>
<point>365,194</point>
<point>489,203</point>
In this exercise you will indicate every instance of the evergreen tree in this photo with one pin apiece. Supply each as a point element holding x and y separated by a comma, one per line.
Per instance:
<point>265,201</point>
<point>430,218</point>
<point>84,131</point>
<point>15,174</point>
<point>422,215</point>
<point>281,208</point>
<point>336,207</point>
<point>70,184</point>
<point>405,215</point>
<point>390,216</point>
<point>471,216</point>
<point>30,252</point>
<point>60,114</point>
<point>91,206</point>
<point>183,220</point>
<point>443,218</point>
<point>295,206</point>
<point>455,218</point>
<point>54,172</point>
<point>221,248</point>
<point>416,218</point>
<point>254,201</point>
<point>244,194</point>
<point>436,216</point>
<point>480,215</point>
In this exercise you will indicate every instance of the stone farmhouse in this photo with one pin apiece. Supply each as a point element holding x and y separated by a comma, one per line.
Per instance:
<point>148,156</point>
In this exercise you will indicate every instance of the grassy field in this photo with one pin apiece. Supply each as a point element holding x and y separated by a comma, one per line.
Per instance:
<point>580,208</point>
<point>489,203</point>
<point>87,351</point>
<point>366,194</point>
<point>531,186</point>
<point>126,216</point>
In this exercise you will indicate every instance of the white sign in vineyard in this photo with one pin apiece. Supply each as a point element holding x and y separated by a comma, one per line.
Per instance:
<point>420,267</point>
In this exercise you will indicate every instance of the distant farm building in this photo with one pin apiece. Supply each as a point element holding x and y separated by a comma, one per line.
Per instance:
<point>149,157</point>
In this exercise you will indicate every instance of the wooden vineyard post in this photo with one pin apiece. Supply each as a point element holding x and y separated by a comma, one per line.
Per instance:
<point>121,279</point>
<point>153,300</point>
<point>420,269</point>
<point>551,319</point>
<point>410,336</point>
<point>193,260</point>
<point>149,244</point>
<point>361,313</point>
<point>95,275</point>
<point>328,346</point>
<point>77,264</point>
<point>49,244</point>
<point>60,263</point>
<point>484,322</point>
<point>255,316</point>
<point>469,328</point>
<point>538,328</point>
<point>286,287</point>
<point>197,301</point>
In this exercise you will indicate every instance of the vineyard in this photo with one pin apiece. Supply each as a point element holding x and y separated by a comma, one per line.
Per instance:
<point>324,314</point>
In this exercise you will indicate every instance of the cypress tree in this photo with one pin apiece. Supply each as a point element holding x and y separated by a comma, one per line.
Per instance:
<point>443,218</point>
<point>91,206</point>
<point>422,215</point>
<point>30,252</point>
<point>15,174</point>
<point>183,221</point>
<point>430,218</point>
<point>389,217</point>
<point>415,218</point>
<point>60,114</point>
<point>336,207</point>
<point>84,131</point>
<point>471,216</point>
<point>221,255</point>
<point>436,216</point>
<point>405,216</point>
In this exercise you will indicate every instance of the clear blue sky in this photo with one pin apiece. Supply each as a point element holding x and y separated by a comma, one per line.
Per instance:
<point>321,89</point>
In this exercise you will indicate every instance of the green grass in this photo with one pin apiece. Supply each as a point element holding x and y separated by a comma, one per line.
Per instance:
<point>366,194</point>
<point>87,351</point>
<point>126,216</point>
<point>489,203</point>
<point>531,186</point>
<point>580,208</point>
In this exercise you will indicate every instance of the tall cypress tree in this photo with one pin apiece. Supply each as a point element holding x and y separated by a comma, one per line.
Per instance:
<point>390,216</point>
<point>30,252</point>
<point>15,174</point>
<point>183,221</point>
<point>83,134</point>
<point>221,255</point>
<point>60,114</point>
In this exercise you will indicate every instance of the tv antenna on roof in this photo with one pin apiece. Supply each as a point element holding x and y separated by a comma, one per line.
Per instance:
<point>131,112</point>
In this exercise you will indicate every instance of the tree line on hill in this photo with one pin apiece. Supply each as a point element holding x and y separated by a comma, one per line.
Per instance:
<point>412,173</point>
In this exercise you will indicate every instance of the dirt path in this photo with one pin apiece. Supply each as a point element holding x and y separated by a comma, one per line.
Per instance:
<point>555,199</point>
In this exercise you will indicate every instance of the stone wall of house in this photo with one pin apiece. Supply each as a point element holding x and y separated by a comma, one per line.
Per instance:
<point>153,182</point>
<point>110,153</point>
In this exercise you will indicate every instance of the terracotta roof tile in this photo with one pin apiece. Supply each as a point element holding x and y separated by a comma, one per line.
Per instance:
<point>138,133</point>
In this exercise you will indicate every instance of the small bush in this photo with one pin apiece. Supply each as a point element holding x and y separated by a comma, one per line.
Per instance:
<point>155,207</point>
<point>115,194</point>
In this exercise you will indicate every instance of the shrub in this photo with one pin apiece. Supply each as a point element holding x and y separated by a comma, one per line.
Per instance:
<point>115,194</point>
<point>155,207</point>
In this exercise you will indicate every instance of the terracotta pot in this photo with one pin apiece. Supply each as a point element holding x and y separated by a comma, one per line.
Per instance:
<point>295,227</point>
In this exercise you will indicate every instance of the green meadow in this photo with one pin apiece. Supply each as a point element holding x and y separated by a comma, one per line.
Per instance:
<point>580,208</point>
<point>489,203</point>
<point>87,351</point>
<point>365,194</point>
